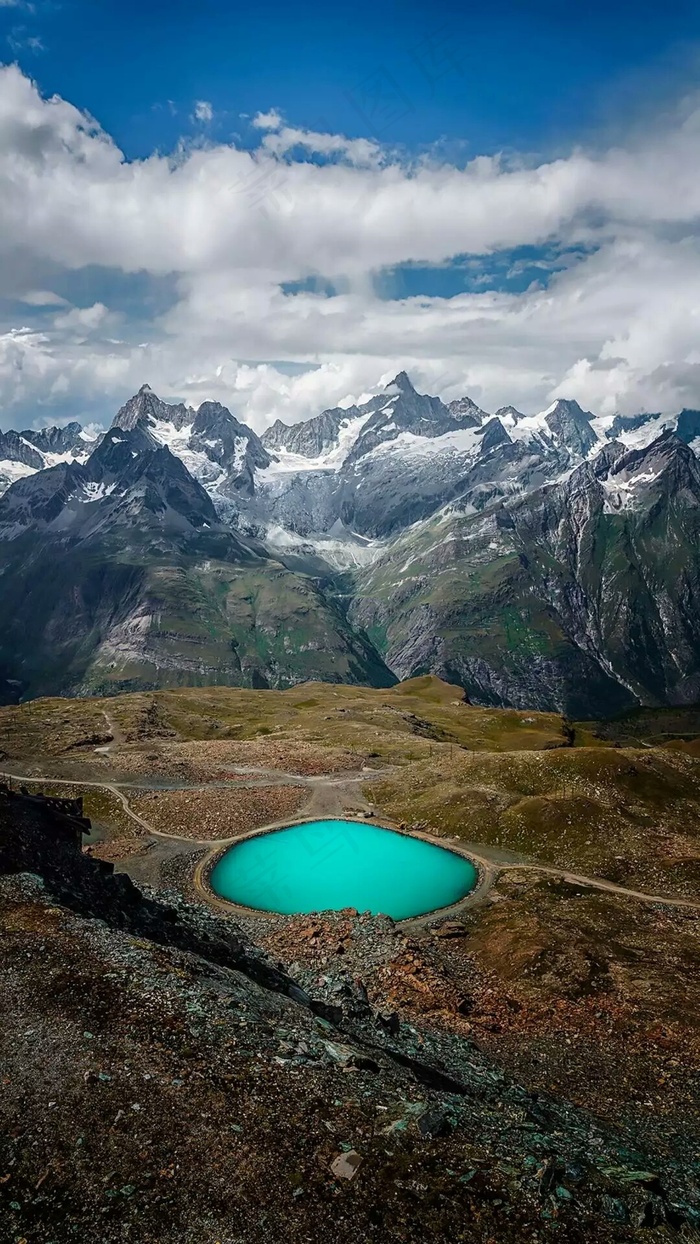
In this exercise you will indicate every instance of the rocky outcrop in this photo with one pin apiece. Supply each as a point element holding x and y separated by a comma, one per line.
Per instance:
<point>39,836</point>
<point>311,437</point>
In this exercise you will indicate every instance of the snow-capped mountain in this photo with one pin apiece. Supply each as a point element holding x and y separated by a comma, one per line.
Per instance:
<point>583,594</point>
<point>24,453</point>
<point>220,452</point>
<point>378,467</point>
<point>548,559</point>
<point>128,475</point>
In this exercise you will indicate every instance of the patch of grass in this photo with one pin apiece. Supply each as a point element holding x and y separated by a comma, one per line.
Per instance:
<point>401,724</point>
<point>632,817</point>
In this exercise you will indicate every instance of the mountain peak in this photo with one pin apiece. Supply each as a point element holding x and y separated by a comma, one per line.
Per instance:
<point>568,406</point>
<point>147,408</point>
<point>402,383</point>
<point>570,425</point>
<point>505,412</point>
<point>465,411</point>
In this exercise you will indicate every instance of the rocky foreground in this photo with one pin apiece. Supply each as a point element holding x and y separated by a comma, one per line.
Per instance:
<point>165,1080</point>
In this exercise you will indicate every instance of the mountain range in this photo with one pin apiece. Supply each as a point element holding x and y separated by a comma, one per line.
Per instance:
<point>547,561</point>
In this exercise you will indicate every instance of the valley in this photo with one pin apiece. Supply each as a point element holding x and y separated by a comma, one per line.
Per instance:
<point>569,975</point>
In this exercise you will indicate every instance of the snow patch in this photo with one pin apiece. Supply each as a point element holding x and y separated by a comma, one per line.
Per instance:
<point>531,428</point>
<point>51,460</point>
<point>288,463</point>
<point>95,492</point>
<point>13,471</point>
<point>461,440</point>
<point>339,546</point>
<point>620,494</point>
<point>167,434</point>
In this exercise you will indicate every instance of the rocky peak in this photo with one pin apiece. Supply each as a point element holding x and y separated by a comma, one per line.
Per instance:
<point>688,426</point>
<point>608,458</point>
<point>312,437</point>
<point>56,440</point>
<point>230,444</point>
<point>401,382</point>
<point>628,423</point>
<point>400,408</point>
<point>571,426</point>
<point>465,412</point>
<point>146,407</point>
<point>39,499</point>
<point>493,434</point>
<point>211,432</point>
<point>120,453</point>
<point>274,435</point>
<point>35,449</point>
<point>14,448</point>
<point>569,406</point>
<point>641,479</point>
<point>667,460</point>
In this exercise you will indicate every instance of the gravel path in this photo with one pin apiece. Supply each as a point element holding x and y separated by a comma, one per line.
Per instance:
<point>329,798</point>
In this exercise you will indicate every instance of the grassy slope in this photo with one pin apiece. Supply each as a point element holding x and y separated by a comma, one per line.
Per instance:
<point>409,721</point>
<point>467,583</point>
<point>500,777</point>
<point>115,618</point>
<point>213,623</point>
<point>508,600</point>
<point>627,815</point>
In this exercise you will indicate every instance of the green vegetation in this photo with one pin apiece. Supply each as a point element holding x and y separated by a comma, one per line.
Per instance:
<point>509,779</point>
<point>406,722</point>
<point>631,816</point>
<point>127,618</point>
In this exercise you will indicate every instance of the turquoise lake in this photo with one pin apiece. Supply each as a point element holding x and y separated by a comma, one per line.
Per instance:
<point>328,865</point>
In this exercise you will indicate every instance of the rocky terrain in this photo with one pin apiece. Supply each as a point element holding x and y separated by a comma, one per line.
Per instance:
<point>525,1070</point>
<point>546,560</point>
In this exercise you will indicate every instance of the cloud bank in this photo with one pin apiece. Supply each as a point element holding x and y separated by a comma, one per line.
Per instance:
<point>229,230</point>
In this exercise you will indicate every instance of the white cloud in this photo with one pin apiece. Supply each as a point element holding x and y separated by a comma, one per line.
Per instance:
<point>356,151</point>
<point>271,120</point>
<point>43,298</point>
<point>618,328</point>
<point>85,319</point>
<point>203,111</point>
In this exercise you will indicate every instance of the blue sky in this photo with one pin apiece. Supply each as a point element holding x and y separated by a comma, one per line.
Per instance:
<point>283,204</point>
<point>527,76</point>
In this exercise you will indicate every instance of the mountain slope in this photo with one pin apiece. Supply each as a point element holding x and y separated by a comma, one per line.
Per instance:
<point>118,575</point>
<point>23,453</point>
<point>547,559</point>
<point>583,595</point>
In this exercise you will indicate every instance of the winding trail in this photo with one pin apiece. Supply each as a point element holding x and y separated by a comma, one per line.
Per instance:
<point>325,800</point>
<point>115,731</point>
<point>598,883</point>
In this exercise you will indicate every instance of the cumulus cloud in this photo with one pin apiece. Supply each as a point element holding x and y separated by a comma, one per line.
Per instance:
<point>85,319</point>
<point>271,120</point>
<point>356,151</point>
<point>615,327</point>
<point>203,111</point>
